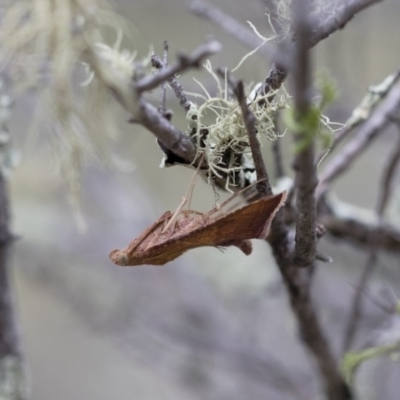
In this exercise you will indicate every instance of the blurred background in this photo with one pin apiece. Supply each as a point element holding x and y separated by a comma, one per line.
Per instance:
<point>209,325</point>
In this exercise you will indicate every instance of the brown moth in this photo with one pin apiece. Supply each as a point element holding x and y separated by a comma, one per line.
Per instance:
<point>173,234</point>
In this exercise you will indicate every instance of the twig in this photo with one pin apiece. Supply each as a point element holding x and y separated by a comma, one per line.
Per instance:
<point>273,16</point>
<point>304,166</point>
<point>168,134</point>
<point>383,197</point>
<point>339,20</point>
<point>352,222</point>
<point>333,23</point>
<point>175,85</point>
<point>386,237</point>
<point>280,68</point>
<point>244,35</point>
<point>311,332</point>
<point>143,112</point>
<point>371,128</point>
<point>363,111</point>
<point>297,280</point>
<point>263,184</point>
<point>236,29</point>
<point>184,62</point>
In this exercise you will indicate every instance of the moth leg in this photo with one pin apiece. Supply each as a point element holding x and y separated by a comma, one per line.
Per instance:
<point>171,229</point>
<point>244,245</point>
<point>189,193</point>
<point>176,213</point>
<point>186,199</point>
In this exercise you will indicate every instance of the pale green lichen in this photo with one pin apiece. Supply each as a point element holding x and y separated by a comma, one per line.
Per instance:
<point>225,142</point>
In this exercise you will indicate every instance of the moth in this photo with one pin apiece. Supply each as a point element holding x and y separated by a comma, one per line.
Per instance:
<point>175,233</point>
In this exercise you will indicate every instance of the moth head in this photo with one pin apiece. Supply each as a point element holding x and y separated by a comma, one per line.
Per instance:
<point>119,257</point>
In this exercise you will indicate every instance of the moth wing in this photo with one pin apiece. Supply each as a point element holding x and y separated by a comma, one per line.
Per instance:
<point>249,222</point>
<point>129,256</point>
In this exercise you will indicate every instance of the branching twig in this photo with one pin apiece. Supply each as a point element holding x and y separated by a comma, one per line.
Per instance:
<point>142,111</point>
<point>383,197</point>
<point>342,16</point>
<point>184,62</point>
<point>175,85</point>
<point>236,29</point>
<point>333,23</point>
<point>364,110</point>
<point>378,121</point>
<point>280,68</point>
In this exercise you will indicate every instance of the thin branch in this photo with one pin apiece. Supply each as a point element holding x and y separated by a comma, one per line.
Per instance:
<point>273,16</point>
<point>281,66</point>
<point>172,138</point>
<point>364,110</point>
<point>383,197</point>
<point>369,131</point>
<point>263,184</point>
<point>304,166</point>
<point>143,112</point>
<point>297,280</point>
<point>342,16</point>
<point>297,284</point>
<point>184,62</point>
<point>386,237</point>
<point>173,82</point>
<point>339,20</point>
<point>242,33</point>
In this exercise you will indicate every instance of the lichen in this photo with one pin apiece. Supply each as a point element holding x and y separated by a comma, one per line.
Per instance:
<point>225,141</point>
